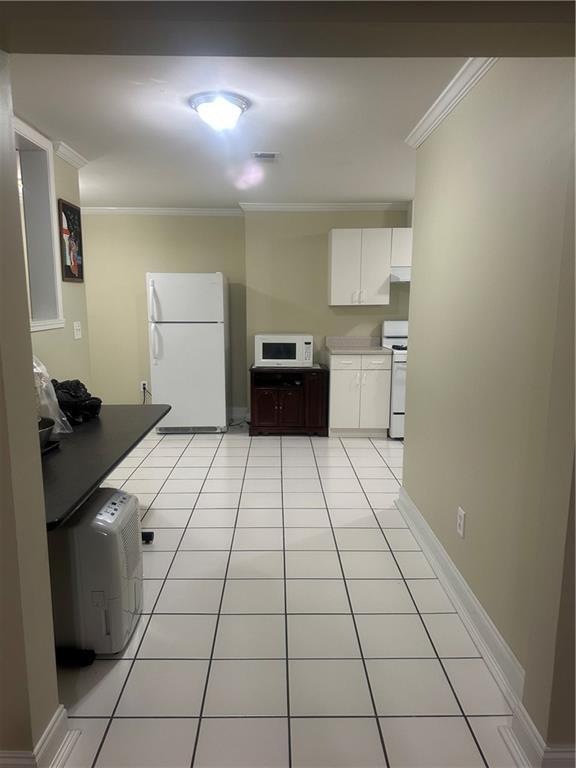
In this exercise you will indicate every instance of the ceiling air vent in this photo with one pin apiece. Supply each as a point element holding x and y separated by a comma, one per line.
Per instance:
<point>267,157</point>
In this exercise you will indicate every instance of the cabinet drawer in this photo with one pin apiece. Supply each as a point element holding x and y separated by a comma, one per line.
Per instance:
<point>346,362</point>
<point>376,362</point>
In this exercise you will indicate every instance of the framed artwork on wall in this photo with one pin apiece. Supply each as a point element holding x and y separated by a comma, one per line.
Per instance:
<point>71,251</point>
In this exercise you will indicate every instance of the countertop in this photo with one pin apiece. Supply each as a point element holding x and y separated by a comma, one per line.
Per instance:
<point>356,345</point>
<point>356,350</point>
<point>86,456</point>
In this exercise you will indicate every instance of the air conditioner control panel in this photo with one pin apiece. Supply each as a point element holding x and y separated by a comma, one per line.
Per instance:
<point>113,507</point>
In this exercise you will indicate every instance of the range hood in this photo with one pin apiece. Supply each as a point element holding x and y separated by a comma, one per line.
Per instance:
<point>400,274</point>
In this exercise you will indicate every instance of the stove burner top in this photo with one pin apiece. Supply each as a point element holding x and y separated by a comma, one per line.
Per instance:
<point>399,346</point>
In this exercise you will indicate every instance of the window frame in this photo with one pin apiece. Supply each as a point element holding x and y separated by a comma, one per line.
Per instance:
<point>27,132</point>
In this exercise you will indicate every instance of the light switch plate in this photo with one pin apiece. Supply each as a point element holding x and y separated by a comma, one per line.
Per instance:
<point>77,329</point>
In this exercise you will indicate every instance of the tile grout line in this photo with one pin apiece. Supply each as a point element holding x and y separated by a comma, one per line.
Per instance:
<point>306,613</point>
<point>279,578</point>
<point>276,717</point>
<point>423,623</point>
<point>138,466</point>
<point>185,528</point>
<point>271,549</point>
<point>368,682</point>
<point>282,658</point>
<point>176,460</point>
<point>225,576</point>
<point>134,659</point>
<point>288,712</point>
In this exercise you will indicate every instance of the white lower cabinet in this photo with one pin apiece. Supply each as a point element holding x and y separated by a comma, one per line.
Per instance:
<point>344,399</point>
<point>375,400</point>
<point>360,392</point>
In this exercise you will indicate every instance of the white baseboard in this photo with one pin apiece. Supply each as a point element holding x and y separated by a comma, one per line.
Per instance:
<point>13,759</point>
<point>376,433</point>
<point>52,749</point>
<point>522,739</point>
<point>559,757</point>
<point>528,748</point>
<point>497,654</point>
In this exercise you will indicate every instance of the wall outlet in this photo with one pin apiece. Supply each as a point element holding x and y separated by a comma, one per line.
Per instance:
<point>461,522</point>
<point>143,386</point>
<point>77,327</point>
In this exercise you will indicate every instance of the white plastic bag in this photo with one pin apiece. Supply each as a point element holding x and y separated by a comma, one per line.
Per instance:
<point>46,400</point>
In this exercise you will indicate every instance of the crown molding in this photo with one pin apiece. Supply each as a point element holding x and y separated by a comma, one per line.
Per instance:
<point>69,155</point>
<point>162,211</point>
<point>322,207</point>
<point>465,79</point>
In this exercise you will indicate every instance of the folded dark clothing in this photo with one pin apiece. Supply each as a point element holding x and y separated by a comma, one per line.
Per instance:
<point>75,400</point>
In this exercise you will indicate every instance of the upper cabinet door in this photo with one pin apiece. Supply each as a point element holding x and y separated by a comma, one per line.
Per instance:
<point>375,269</point>
<point>345,256</point>
<point>402,247</point>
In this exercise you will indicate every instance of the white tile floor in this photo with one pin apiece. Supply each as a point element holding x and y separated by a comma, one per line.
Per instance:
<point>291,620</point>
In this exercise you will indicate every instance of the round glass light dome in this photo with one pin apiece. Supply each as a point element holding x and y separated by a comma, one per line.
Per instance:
<point>219,109</point>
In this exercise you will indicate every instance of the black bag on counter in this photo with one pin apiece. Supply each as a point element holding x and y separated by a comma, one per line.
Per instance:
<point>75,400</point>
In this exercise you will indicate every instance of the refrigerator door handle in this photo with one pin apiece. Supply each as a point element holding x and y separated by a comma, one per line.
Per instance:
<point>154,335</point>
<point>151,302</point>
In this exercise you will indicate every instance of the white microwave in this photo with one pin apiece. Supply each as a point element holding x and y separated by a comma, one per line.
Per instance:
<point>288,350</point>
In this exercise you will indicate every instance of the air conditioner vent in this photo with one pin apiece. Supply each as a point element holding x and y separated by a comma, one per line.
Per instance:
<point>131,541</point>
<point>267,157</point>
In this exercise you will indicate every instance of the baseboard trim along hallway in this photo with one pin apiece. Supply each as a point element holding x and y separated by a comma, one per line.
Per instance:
<point>52,750</point>
<point>522,739</point>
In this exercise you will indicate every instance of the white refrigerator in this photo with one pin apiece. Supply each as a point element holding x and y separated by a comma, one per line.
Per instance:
<point>189,349</point>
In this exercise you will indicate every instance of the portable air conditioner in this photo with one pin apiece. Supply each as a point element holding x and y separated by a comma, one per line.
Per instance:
<point>96,573</point>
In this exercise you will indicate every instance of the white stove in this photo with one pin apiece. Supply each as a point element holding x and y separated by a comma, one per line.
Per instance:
<point>395,337</point>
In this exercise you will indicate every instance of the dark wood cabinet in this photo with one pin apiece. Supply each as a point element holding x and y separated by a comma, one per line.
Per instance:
<point>289,401</point>
<point>290,407</point>
<point>265,407</point>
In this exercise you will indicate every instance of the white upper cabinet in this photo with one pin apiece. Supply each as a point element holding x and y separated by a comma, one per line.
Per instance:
<point>360,266</point>
<point>402,247</point>
<point>375,266</point>
<point>345,265</point>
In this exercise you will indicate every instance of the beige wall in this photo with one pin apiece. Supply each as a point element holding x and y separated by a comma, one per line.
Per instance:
<point>276,264</point>
<point>287,277</point>
<point>490,383</point>
<point>64,356</point>
<point>28,690</point>
<point>119,251</point>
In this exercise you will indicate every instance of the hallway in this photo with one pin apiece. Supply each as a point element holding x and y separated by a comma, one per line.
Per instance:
<point>291,620</point>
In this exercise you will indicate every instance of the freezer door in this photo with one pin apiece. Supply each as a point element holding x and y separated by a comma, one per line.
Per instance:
<point>187,367</point>
<point>175,297</point>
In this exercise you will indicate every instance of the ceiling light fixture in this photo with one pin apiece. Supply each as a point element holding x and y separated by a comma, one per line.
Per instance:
<point>219,109</point>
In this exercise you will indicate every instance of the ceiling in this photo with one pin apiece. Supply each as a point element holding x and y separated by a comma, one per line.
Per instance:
<point>338,124</point>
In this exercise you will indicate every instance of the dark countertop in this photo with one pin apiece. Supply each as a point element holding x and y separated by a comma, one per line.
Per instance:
<point>85,457</point>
